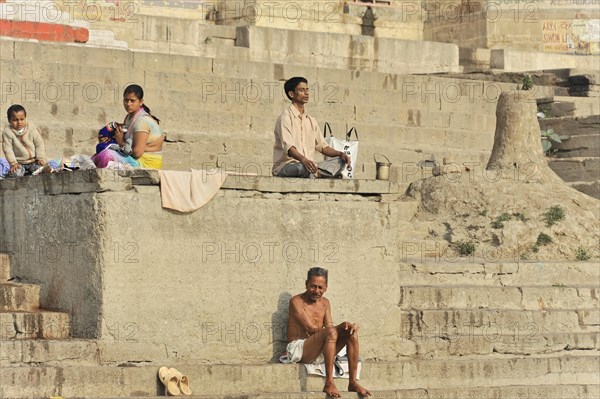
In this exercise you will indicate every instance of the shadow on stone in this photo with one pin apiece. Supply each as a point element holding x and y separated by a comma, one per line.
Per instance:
<point>278,323</point>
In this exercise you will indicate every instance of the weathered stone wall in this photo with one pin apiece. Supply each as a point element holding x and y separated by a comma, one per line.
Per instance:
<point>212,285</point>
<point>53,227</point>
<point>224,110</point>
<point>340,51</point>
<point>563,26</point>
<point>546,26</point>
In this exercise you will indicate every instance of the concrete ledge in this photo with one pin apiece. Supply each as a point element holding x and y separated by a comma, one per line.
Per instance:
<point>76,182</point>
<point>518,391</point>
<point>523,61</point>
<point>270,184</point>
<point>101,180</point>
<point>228,380</point>
<point>344,51</point>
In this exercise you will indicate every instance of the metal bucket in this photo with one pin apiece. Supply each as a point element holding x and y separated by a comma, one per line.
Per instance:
<point>382,168</point>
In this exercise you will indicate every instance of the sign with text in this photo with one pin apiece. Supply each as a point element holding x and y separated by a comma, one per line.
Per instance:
<point>578,36</point>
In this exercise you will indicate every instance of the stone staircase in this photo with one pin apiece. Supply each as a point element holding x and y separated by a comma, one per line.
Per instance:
<point>469,329</point>
<point>577,160</point>
<point>20,313</point>
<point>215,113</point>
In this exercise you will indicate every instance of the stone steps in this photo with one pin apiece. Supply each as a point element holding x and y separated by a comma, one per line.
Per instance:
<point>4,267</point>
<point>20,316</point>
<point>466,372</point>
<point>507,392</point>
<point>482,320</point>
<point>581,142</point>
<point>578,159</point>
<point>590,188</point>
<point>572,125</point>
<point>23,297</point>
<point>34,324</point>
<point>576,169</point>
<point>197,91</point>
<point>496,272</point>
<point>214,68</point>
<point>59,352</point>
<point>396,111</point>
<point>526,298</point>
<point>581,106</point>
<point>430,342</point>
<point>244,129</point>
<point>215,78</point>
<point>187,149</point>
<point>513,340</point>
<point>233,118</point>
<point>581,152</point>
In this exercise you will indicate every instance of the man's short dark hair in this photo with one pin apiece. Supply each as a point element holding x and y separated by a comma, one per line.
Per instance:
<point>316,272</point>
<point>291,84</point>
<point>13,109</point>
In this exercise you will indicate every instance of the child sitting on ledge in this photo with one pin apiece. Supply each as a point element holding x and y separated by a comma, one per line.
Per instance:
<point>22,143</point>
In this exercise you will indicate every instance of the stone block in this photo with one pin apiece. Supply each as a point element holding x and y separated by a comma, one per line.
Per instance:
<point>23,352</point>
<point>590,188</point>
<point>478,57</point>
<point>584,106</point>
<point>560,297</point>
<point>576,169</point>
<point>584,91</point>
<point>486,321</point>
<point>523,61</point>
<point>539,372</point>
<point>532,391</point>
<point>581,142</point>
<point>414,297</point>
<point>4,267</point>
<point>88,181</point>
<point>572,125</point>
<point>54,325</point>
<point>23,297</point>
<point>585,79</point>
<point>343,51</point>
<point>553,273</point>
<point>38,324</point>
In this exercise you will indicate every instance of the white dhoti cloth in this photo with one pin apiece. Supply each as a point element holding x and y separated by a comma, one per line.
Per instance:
<point>295,349</point>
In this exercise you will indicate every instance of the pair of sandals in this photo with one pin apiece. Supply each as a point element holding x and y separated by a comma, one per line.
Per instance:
<point>175,382</point>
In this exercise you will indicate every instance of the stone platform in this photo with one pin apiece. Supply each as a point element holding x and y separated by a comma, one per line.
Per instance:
<point>432,326</point>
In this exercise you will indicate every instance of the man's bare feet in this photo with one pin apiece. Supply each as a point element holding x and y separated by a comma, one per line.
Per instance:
<point>353,386</point>
<point>331,390</point>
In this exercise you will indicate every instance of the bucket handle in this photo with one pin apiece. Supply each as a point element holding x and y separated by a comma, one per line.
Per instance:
<point>375,157</point>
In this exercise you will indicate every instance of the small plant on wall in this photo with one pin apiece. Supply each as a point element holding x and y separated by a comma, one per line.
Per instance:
<point>549,138</point>
<point>527,83</point>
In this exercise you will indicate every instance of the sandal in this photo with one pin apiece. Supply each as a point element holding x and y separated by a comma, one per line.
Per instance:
<point>184,381</point>
<point>169,380</point>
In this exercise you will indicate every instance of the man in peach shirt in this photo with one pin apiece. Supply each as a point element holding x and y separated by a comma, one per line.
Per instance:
<point>297,136</point>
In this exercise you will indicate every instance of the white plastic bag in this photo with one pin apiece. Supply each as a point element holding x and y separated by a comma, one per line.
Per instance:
<point>348,146</point>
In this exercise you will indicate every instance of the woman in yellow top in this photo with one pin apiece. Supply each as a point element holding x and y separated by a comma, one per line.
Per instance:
<point>141,129</point>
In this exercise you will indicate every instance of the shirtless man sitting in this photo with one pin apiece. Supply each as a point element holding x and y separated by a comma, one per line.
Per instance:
<point>312,335</point>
